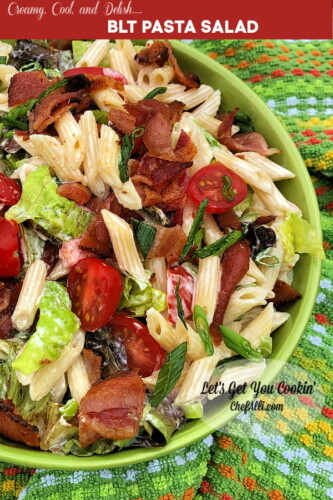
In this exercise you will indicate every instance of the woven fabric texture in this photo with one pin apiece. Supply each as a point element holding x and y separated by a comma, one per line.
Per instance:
<point>286,455</point>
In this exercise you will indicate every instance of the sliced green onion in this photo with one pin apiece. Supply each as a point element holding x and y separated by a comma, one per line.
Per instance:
<point>227,191</point>
<point>199,238</point>
<point>239,344</point>
<point>196,224</point>
<point>50,89</point>
<point>260,258</point>
<point>219,246</point>
<point>33,66</point>
<point>202,329</point>
<point>169,374</point>
<point>180,308</point>
<point>153,93</point>
<point>144,235</point>
<point>3,59</point>
<point>127,145</point>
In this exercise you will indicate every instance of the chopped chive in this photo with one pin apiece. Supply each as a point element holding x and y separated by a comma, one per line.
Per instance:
<point>144,235</point>
<point>180,308</point>
<point>155,92</point>
<point>219,246</point>
<point>196,224</point>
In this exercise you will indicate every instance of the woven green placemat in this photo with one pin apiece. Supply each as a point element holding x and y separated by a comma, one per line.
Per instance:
<point>295,79</point>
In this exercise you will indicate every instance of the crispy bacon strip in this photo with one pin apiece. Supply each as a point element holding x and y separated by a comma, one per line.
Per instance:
<point>157,53</point>
<point>284,293</point>
<point>228,220</point>
<point>264,219</point>
<point>169,243</point>
<point>9,293</point>
<point>183,77</point>
<point>156,171</point>
<point>235,264</point>
<point>252,141</point>
<point>103,82</point>
<point>51,108</point>
<point>12,426</point>
<point>27,85</point>
<point>227,121</point>
<point>93,365</point>
<point>121,122</point>
<point>112,409</point>
<point>168,197</point>
<point>75,191</point>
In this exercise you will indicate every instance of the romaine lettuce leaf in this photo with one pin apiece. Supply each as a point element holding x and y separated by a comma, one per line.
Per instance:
<point>10,388</point>
<point>40,202</point>
<point>139,295</point>
<point>56,327</point>
<point>33,246</point>
<point>299,236</point>
<point>57,431</point>
<point>100,447</point>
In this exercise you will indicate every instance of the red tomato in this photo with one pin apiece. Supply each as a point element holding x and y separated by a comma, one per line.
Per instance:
<point>10,264</point>
<point>10,191</point>
<point>95,70</point>
<point>223,188</point>
<point>144,354</point>
<point>179,275</point>
<point>95,289</point>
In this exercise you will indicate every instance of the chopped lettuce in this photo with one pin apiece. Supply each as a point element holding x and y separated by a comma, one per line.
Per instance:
<point>10,388</point>
<point>164,424</point>
<point>40,202</point>
<point>299,236</point>
<point>139,296</point>
<point>33,248</point>
<point>57,430</point>
<point>100,447</point>
<point>55,329</point>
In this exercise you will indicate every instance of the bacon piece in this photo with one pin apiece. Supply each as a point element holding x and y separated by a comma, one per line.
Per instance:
<point>121,122</point>
<point>27,85</point>
<point>157,171</point>
<point>86,103</point>
<point>51,108</point>
<point>103,82</point>
<point>186,282</point>
<point>185,148</point>
<point>156,53</point>
<point>183,77</point>
<point>227,121</point>
<point>169,243</point>
<point>112,409</point>
<point>252,141</point>
<point>70,252</point>
<point>176,109</point>
<point>12,426</point>
<point>93,364</point>
<point>264,219</point>
<point>235,264</point>
<point>5,294</point>
<point>9,293</point>
<point>75,191</point>
<point>228,220</point>
<point>284,293</point>
<point>168,197</point>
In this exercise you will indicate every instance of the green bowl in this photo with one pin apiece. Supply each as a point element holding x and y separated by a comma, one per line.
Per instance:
<point>306,278</point>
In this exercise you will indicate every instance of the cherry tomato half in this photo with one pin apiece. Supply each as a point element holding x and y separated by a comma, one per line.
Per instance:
<point>95,289</point>
<point>223,188</point>
<point>144,354</point>
<point>95,70</point>
<point>10,264</point>
<point>10,191</point>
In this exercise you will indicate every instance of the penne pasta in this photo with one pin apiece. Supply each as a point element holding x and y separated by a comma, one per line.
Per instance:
<point>78,379</point>
<point>59,271</point>
<point>242,301</point>
<point>123,244</point>
<point>199,372</point>
<point>275,171</point>
<point>195,347</point>
<point>127,48</point>
<point>26,144</point>
<point>163,332</point>
<point>107,98</point>
<point>260,327</point>
<point>30,295</point>
<point>133,93</point>
<point>209,107</point>
<point>208,122</point>
<point>59,390</point>
<point>119,62</point>
<point>46,377</point>
<point>94,54</point>
<point>88,127</point>
<point>6,74</point>
<point>157,265</point>
<point>72,140</point>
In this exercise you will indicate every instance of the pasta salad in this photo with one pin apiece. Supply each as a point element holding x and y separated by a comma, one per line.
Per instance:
<point>144,244</point>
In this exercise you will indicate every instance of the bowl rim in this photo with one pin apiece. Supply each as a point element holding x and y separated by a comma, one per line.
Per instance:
<point>199,429</point>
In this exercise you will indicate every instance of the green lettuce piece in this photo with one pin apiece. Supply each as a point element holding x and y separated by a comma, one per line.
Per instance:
<point>211,140</point>
<point>100,447</point>
<point>165,425</point>
<point>34,246</point>
<point>10,388</point>
<point>299,236</point>
<point>56,327</point>
<point>57,431</point>
<point>139,295</point>
<point>40,202</point>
